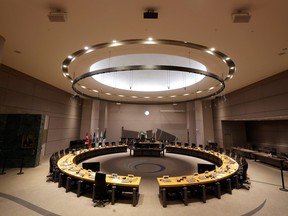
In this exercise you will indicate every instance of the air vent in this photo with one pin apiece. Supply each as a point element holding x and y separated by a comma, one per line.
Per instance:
<point>57,16</point>
<point>241,17</point>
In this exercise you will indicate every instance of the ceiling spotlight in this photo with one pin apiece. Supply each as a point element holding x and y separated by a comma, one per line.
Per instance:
<point>150,14</point>
<point>241,17</point>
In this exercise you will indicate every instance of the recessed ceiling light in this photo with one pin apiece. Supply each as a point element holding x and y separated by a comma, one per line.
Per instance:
<point>186,94</point>
<point>198,92</point>
<point>134,96</point>
<point>212,49</point>
<point>108,93</point>
<point>173,96</point>
<point>86,47</point>
<point>84,87</point>
<point>146,97</point>
<point>121,95</point>
<point>89,50</point>
<point>210,52</point>
<point>94,90</point>
<point>160,97</point>
<point>70,57</point>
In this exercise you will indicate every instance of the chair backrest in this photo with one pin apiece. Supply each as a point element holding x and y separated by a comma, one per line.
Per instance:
<point>100,179</point>
<point>61,152</point>
<point>66,151</point>
<point>100,187</point>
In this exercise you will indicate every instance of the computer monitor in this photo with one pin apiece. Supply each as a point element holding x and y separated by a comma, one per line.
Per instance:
<point>94,166</point>
<point>205,167</point>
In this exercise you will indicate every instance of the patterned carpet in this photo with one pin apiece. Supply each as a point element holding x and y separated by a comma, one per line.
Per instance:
<point>149,167</point>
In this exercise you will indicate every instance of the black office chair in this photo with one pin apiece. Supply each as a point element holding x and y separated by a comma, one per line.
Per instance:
<point>61,153</point>
<point>53,168</point>
<point>242,174</point>
<point>100,190</point>
<point>66,151</point>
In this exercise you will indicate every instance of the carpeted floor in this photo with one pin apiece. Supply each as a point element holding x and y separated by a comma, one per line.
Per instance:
<point>30,194</point>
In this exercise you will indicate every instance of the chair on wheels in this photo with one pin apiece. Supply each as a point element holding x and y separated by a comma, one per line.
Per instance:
<point>242,173</point>
<point>100,190</point>
<point>53,168</point>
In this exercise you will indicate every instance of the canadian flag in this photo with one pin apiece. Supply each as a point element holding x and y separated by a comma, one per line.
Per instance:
<point>87,139</point>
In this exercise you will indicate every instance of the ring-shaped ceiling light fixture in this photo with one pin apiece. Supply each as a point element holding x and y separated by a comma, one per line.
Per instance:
<point>117,64</point>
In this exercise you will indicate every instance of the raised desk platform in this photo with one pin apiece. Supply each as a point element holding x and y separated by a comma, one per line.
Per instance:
<point>227,168</point>
<point>68,165</point>
<point>147,149</point>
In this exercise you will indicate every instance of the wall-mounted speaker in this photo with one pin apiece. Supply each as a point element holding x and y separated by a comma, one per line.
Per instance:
<point>150,14</point>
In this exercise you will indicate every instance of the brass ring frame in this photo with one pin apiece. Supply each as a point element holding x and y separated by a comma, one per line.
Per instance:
<point>230,64</point>
<point>146,67</point>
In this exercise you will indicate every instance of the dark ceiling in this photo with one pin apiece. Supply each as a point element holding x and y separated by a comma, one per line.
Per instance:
<point>37,47</point>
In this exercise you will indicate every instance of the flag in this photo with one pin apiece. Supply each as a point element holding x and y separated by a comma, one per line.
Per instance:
<point>86,139</point>
<point>89,142</point>
<point>94,138</point>
<point>97,136</point>
<point>101,136</point>
<point>104,136</point>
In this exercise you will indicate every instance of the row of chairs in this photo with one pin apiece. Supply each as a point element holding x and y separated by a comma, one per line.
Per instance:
<point>99,186</point>
<point>53,173</point>
<point>53,169</point>
<point>201,191</point>
<point>99,189</point>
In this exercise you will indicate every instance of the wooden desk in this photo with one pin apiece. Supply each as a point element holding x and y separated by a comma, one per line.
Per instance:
<point>248,153</point>
<point>227,167</point>
<point>68,165</point>
<point>269,159</point>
